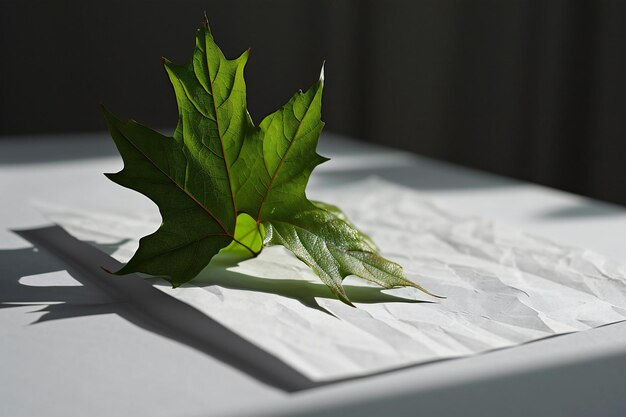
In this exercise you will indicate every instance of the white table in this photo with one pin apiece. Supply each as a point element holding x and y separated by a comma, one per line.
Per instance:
<point>93,364</point>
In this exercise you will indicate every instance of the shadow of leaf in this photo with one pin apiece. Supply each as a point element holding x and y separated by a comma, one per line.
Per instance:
<point>303,291</point>
<point>136,300</point>
<point>130,297</point>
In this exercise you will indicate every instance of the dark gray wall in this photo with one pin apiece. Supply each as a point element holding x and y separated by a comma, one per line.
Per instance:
<point>531,89</point>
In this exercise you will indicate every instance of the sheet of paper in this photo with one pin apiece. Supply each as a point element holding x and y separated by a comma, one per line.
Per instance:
<point>502,286</point>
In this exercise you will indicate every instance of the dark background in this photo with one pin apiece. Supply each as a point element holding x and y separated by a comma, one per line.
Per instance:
<point>530,89</point>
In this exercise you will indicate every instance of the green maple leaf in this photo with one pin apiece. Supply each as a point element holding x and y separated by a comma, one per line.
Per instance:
<point>188,175</point>
<point>222,183</point>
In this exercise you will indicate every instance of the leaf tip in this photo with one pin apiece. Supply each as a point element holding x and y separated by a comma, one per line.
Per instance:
<point>322,72</point>
<point>344,298</point>
<point>243,58</point>
<point>205,22</point>
<point>424,290</point>
<point>341,294</point>
<point>169,67</point>
<point>108,116</point>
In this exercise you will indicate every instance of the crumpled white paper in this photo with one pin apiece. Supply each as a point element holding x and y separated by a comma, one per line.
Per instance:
<point>503,287</point>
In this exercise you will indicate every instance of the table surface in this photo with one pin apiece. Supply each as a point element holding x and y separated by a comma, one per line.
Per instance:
<point>105,365</point>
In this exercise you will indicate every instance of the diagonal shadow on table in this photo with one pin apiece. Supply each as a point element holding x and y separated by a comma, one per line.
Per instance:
<point>136,300</point>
